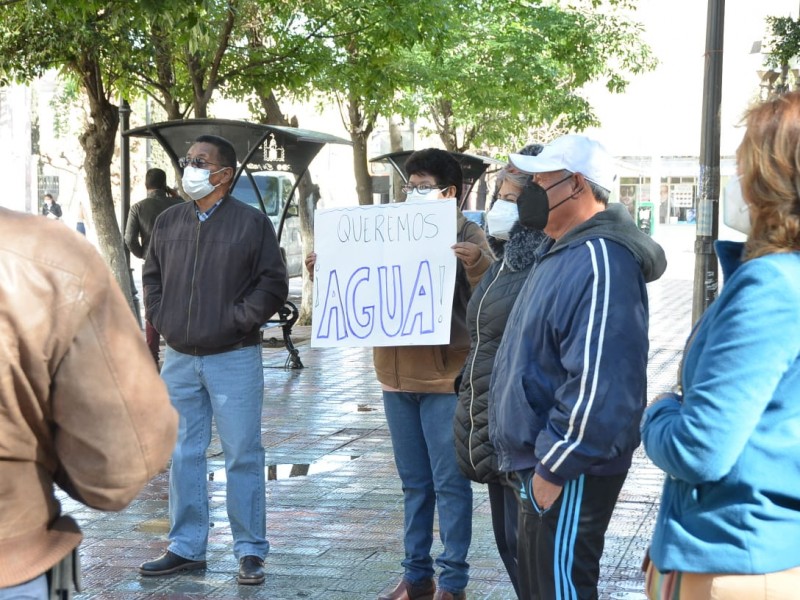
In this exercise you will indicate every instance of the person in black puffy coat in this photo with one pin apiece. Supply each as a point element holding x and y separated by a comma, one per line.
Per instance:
<point>487,312</point>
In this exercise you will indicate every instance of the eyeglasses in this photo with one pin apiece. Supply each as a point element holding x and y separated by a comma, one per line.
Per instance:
<point>198,163</point>
<point>422,188</point>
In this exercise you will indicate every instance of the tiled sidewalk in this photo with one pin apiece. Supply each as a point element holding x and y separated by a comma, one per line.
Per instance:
<point>334,504</point>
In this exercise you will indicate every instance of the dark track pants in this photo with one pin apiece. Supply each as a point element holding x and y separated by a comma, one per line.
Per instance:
<point>559,549</point>
<point>505,518</point>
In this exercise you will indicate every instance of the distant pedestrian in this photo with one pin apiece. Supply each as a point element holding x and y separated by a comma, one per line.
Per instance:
<point>213,276</point>
<point>419,402</point>
<point>80,218</point>
<point>141,218</point>
<point>728,438</point>
<point>569,380</point>
<point>487,314</point>
<point>50,208</point>
<point>82,406</point>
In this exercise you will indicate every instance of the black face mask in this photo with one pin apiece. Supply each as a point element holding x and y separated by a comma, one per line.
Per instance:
<point>533,206</point>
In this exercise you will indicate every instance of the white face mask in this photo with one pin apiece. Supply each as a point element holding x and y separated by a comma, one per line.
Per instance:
<point>735,212</point>
<point>196,184</point>
<point>501,218</point>
<point>415,196</point>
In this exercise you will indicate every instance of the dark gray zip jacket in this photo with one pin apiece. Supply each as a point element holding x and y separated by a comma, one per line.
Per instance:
<point>209,286</point>
<point>487,312</point>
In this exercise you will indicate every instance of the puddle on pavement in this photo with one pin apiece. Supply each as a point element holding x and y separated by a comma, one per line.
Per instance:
<point>325,464</point>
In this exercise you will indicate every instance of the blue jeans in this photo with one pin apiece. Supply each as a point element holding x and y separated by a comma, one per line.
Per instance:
<point>421,426</point>
<point>35,589</point>
<point>230,388</point>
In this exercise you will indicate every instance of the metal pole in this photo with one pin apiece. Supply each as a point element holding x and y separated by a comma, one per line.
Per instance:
<point>125,195</point>
<point>124,167</point>
<point>705,266</point>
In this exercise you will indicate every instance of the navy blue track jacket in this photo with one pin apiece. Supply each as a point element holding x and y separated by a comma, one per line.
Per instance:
<point>569,382</point>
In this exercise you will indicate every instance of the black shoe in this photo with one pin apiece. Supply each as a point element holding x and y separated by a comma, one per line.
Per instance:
<point>169,563</point>
<point>251,571</point>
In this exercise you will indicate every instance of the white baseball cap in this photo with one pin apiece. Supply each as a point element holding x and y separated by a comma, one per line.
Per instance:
<point>574,153</point>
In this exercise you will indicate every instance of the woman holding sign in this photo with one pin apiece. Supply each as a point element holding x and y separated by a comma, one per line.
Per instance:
<point>419,403</point>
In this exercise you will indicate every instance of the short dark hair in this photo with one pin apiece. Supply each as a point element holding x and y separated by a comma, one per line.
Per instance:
<point>439,164</point>
<point>155,179</point>
<point>226,151</point>
<point>49,195</point>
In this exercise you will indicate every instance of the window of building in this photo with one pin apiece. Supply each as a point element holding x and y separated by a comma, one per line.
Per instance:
<point>632,191</point>
<point>678,202</point>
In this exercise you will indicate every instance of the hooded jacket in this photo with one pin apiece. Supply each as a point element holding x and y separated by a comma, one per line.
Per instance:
<point>81,401</point>
<point>731,448</point>
<point>569,382</point>
<point>432,369</point>
<point>487,313</point>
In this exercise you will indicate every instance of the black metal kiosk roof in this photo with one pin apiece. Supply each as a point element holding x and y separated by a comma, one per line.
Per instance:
<point>472,166</point>
<point>259,147</point>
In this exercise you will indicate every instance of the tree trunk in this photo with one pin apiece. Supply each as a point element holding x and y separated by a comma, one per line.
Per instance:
<point>307,198</point>
<point>361,169</point>
<point>396,145</point>
<point>98,141</point>
<point>360,127</point>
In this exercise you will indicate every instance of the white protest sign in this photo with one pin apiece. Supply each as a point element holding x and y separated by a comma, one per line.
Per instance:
<point>384,274</point>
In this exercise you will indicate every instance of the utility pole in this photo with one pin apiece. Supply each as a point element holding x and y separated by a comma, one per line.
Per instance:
<point>125,195</point>
<point>706,276</point>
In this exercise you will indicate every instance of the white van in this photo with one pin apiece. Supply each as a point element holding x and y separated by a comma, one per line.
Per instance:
<point>275,189</point>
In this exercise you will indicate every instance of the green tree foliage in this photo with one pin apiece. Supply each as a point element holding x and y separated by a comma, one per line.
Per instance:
<point>87,40</point>
<point>783,48</point>
<point>363,70</point>
<point>509,67</point>
<point>237,47</point>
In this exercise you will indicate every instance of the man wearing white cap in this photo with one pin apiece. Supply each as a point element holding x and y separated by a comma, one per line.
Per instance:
<point>569,382</point>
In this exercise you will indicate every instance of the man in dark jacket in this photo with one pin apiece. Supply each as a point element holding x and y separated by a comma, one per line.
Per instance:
<point>213,275</point>
<point>569,379</point>
<point>141,219</point>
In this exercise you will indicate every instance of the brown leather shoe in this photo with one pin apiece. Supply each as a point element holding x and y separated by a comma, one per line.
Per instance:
<point>443,595</point>
<point>405,590</point>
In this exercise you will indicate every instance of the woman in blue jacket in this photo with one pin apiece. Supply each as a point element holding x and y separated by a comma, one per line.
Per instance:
<point>729,439</point>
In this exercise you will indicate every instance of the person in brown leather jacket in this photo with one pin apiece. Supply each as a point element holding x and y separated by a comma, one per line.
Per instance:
<point>82,404</point>
<point>419,402</point>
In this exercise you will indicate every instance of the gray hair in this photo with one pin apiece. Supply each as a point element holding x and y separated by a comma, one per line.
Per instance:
<point>600,194</point>
<point>513,176</point>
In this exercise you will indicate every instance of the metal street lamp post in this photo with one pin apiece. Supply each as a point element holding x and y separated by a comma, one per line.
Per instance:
<point>705,268</point>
